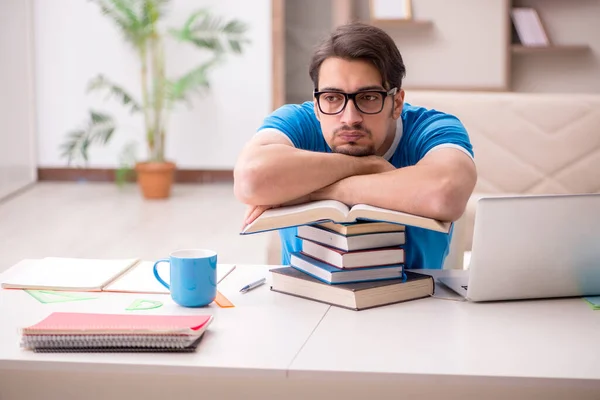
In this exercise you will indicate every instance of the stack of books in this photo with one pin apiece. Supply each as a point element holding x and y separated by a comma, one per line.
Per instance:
<point>351,257</point>
<point>355,266</point>
<point>350,253</point>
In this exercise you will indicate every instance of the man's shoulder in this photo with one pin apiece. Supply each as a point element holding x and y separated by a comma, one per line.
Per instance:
<point>299,123</point>
<point>300,111</point>
<point>419,120</point>
<point>427,128</point>
<point>291,118</point>
<point>415,115</point>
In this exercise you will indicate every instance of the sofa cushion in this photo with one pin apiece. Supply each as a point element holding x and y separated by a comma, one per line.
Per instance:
<point>526,143</point>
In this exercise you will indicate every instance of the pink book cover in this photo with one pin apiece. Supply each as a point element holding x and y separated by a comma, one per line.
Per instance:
<point>89,323</point>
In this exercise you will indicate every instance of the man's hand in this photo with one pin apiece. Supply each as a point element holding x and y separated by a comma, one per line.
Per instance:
<point>253,212</point>
<point>379,164</point>
<point>344,191</point>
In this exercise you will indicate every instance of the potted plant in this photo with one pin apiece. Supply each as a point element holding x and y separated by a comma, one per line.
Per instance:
<point>140,23</point>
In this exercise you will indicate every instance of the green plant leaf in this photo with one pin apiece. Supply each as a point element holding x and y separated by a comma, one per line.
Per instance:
<point>129,18</point>
<point>127,158</point>
<point>195,79</point>
<point>212,33</point>
<point>101,83</point>
<point>235,46</point>
<point>99,128</point>
<point>153,10</point>
<point>71,146</point>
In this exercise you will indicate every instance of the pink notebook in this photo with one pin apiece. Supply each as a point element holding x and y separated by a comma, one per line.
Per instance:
<point>64,331</point>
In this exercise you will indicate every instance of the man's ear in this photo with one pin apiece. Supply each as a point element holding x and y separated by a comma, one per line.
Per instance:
<point>316,109</point>
<point>398,104</point>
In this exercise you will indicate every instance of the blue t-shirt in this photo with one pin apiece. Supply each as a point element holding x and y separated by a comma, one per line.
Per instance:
<point>419,131</point>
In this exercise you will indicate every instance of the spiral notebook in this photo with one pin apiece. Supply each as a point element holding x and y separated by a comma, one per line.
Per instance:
<point>88,332</point>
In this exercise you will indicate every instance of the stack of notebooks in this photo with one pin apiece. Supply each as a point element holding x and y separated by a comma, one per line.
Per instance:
<point>356,266</point>
<point>87,332</point>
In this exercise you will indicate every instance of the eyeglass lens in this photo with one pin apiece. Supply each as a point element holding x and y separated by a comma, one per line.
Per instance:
<point>366,102</point>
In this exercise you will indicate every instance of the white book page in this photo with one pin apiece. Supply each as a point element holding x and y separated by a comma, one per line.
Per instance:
<point>65,273</point>
<point>301,208</point>
<point>140,279</point>
<point>360,207</point>
<point>295,214</point>
<point>383,214</point>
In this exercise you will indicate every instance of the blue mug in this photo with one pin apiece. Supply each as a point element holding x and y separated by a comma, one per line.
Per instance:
<point>193,277</point>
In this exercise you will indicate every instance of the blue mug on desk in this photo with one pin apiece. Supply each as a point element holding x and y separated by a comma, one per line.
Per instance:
<point>193,275</point>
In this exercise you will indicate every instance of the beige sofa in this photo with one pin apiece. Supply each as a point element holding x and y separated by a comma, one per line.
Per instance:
<point>523,144</point>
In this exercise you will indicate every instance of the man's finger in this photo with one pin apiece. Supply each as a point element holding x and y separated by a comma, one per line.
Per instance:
<point>255,213</point>
<point>249,210</point>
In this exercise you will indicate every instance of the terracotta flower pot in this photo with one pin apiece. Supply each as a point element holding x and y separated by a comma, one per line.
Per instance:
<point>155,178</point>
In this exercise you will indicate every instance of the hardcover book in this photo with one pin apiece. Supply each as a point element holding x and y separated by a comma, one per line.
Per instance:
<point>351,243</point>
<point>332,275</point>
<point>353,259</point>
<point>354,296</point>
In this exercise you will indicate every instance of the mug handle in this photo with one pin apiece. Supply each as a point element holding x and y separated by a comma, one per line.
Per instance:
<point>165,284</point>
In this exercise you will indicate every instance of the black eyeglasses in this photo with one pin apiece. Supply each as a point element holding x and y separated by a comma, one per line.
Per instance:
<point>367,102</point>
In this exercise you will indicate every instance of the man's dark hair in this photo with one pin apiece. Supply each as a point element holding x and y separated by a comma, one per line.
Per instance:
<point>359,41</point>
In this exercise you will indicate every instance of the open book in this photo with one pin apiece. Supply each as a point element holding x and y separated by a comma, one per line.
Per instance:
<point>335,211</point>
<point>57,273</point>
<point>90,275</point>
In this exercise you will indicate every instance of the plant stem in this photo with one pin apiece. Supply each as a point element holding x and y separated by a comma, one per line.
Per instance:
<point>158,70</point>
<point>144,76</point>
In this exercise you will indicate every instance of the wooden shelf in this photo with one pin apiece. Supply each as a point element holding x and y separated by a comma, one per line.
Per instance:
<point>401,23</point>
<point>520,49</point>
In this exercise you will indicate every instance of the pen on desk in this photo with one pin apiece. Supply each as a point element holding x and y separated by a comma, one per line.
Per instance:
<point>253,285</point>
<point>225,276</point>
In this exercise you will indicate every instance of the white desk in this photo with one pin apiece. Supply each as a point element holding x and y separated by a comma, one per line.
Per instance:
<point>434,347</point>
<point>251,344</point>
<point>276,346</point>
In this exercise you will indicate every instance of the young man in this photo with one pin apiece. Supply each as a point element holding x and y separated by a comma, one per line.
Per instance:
<point>358,142</point>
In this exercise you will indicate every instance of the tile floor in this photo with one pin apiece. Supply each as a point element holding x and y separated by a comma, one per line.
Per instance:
<point>100,220</point>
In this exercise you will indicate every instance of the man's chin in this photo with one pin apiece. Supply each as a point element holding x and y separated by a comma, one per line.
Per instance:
<point>354,150</point>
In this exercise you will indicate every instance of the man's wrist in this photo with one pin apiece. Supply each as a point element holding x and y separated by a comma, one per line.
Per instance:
<point>336,191</point>
<point>371,165</point>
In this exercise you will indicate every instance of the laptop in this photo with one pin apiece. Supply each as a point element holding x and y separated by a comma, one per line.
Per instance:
<point>531,247</point>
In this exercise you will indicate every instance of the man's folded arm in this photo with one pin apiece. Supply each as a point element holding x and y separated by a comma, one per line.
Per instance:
<point>438,186</point>
<point>271,171</point>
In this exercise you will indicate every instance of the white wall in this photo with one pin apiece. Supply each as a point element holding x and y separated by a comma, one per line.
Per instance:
<point>74,43</point>
<point>464,48</point>
<point>306,23</point>
<point>17,146</point>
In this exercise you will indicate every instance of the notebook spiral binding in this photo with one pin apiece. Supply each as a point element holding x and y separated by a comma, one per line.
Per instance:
<point>123,347</point>
<point>104,340</point>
